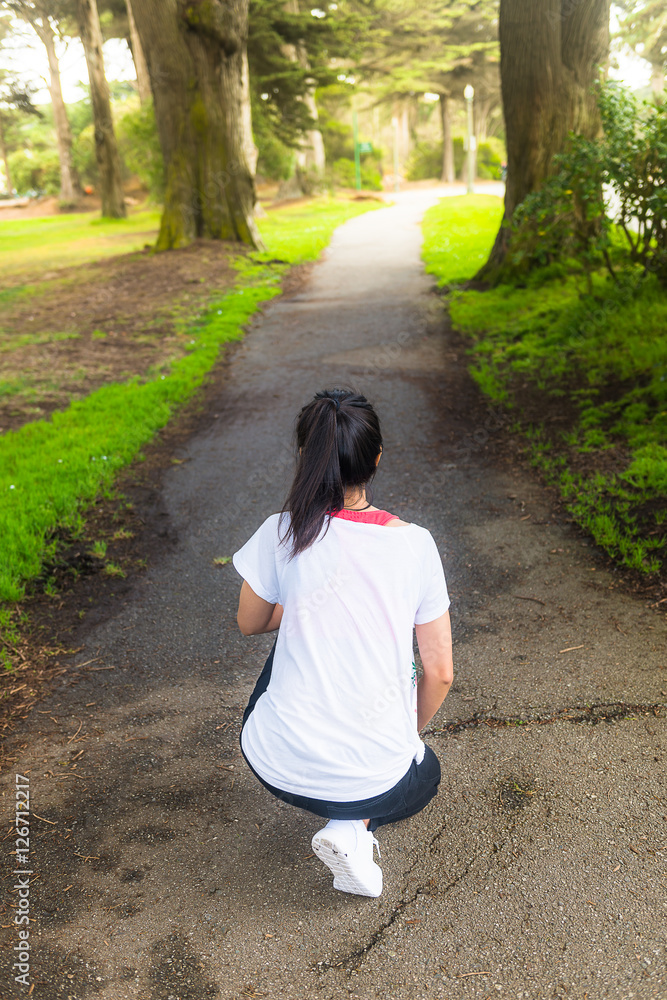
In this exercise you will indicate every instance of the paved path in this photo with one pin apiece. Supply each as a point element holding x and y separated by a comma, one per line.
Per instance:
<point>165,871</point>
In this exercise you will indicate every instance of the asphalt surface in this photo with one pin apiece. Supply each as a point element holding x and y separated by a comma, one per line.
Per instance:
<point>165,872</point>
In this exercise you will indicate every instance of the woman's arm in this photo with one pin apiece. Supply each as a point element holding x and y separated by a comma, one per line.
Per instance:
<point>255,615</point>
<point>435,648</point>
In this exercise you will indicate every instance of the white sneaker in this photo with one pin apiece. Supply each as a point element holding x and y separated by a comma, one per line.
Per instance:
<point>346,847</point>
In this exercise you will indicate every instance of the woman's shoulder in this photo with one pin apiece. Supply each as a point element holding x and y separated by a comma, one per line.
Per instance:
<point>395,522</point>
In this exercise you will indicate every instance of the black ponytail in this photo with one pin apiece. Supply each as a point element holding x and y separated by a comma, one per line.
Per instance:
<point>338,437</point>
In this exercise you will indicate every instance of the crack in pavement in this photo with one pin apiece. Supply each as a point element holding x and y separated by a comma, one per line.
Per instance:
<point>360,953</point>
<point>423,889</point>
<point>590,714</point>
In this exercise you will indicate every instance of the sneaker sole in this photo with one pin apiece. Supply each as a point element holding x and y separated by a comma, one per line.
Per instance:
<point>345,879</point>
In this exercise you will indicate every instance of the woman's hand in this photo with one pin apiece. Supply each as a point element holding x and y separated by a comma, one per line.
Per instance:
<point>255,615</point>
<point>435,648</point>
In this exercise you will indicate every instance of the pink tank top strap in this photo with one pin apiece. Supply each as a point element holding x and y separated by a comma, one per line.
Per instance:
<point>366,516</point>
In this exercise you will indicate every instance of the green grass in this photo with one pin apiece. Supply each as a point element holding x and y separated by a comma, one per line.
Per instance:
<point>458,233</point>
<point>34,245</point>
<point>51,469</point>
<point>585,377</point>
<point>12,344</point>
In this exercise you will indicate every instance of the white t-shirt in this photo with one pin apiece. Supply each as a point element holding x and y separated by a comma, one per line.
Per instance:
<point>338,720</point>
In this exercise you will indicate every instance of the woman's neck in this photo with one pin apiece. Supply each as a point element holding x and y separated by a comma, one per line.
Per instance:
<point>356,500</point>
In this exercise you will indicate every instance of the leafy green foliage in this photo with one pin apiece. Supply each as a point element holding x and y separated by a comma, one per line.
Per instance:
<point>275,159</point>
<point>343,175</point>
<point>634,153</point>
<point>290,53</point>
<point>584,376</point>
<point>35,174</point>
<point>426,160</point>
<point>568,216</point>
<point>457,43</point>
<point>643,27</point>
<point>139,145</point>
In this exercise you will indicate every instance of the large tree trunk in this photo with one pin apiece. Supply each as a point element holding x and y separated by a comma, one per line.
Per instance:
<point>141,69</point>
<point>5,158</point>
<point>69,180</point>
<point>448,175</point>
<point>195,55</point>
<point>549,57</point>
<point>106,149</point>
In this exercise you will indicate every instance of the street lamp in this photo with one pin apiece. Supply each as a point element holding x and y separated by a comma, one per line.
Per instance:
<point>471,143</point>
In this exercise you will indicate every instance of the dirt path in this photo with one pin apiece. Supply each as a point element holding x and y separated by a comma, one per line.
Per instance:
<point>165,871</point>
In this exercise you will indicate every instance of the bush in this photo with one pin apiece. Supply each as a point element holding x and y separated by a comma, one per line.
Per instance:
<point>489,164</point>
<point>275,159</point>
<point>569,216</point>
<point>634,154</point>
<point>343,175</point>
<point>337,137</point>
<point>139,146</point>
<point>37,171</point>
<point>566,217</point>
<point>83,154</point>
<point>425,161</point>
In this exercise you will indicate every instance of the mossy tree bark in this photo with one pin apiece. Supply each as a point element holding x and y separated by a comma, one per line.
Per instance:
<point>550,57</point>
<point>195,53</point>
<point>106,149</point>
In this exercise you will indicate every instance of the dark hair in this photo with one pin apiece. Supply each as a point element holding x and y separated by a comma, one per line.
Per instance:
<point>339,439</point>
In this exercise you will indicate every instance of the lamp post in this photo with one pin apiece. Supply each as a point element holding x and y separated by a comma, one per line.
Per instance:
<point>471,144</point>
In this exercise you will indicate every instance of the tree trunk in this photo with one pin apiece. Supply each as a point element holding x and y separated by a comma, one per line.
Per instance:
<point>141,69</point>
<point>310,159</point>
<point>448,175</point>
<point>482,107</point>
<point>195,55</point>
<point>549,58</point>
<point>5,158</point>
<point>251,151</point>
<point>69,181</point>
<point>106,150</point>
<point>404,131</point>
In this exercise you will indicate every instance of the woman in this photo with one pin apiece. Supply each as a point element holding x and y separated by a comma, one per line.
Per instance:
<point>333,723</point>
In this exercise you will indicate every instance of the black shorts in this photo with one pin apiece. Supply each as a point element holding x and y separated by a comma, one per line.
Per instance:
<point>408,796</point>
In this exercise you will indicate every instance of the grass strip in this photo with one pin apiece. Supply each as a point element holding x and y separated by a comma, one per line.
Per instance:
<point>57,241</point>
<point>51,469</point>
<point>584,376</point>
